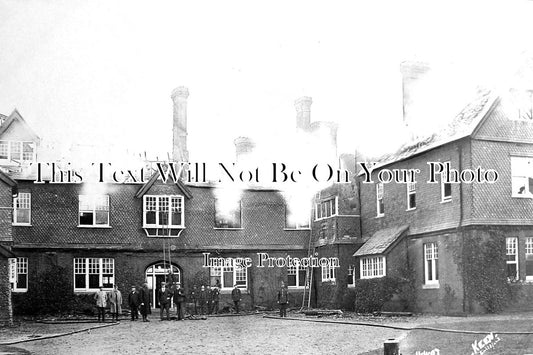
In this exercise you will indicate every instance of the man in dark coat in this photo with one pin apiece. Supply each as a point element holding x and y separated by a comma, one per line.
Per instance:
<point>134,300</point>
<point>215,297</point>
<point>194,299</point>
<point>283,300</point>
<point>236,297</point>
<point>164,295</point>
<point>202,300</point>
<point>179,300</point>
<point>144,295</point>
<point>209,305</point>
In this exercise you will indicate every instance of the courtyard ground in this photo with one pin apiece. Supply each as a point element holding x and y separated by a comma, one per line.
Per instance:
<point>258,335</point>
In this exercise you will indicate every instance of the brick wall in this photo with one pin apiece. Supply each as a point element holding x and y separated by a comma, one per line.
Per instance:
<point>430,214</point>
<point>55,220</point>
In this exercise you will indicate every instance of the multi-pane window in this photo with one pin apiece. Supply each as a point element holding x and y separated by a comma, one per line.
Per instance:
<point>411,195</point>
<point>94,210</point>
<point>329,273</point>
<point>296,276</point>
<point>380,207</point>
<point>22,208</point>
<point>17,150</point>
<point>21,276</point>
<point>511,246</point>
<point>163,211</point>
<point>431,264</point>
<point>227,216</point>
<point>228,276</point>
<point>529,259</point>
<point>93,273</point>
<point>445,187</point>
<point>326,208</point>
<point>522,176</point>
<point>372,266</point>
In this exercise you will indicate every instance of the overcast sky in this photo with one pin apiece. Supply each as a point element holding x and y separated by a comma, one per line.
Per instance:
<point>97,72</point>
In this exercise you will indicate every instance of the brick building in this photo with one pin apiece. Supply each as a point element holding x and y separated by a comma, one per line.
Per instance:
<point>428,227</point>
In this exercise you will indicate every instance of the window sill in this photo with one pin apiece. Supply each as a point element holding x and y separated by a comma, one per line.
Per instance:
<point>372,277</point>
<point>411,209</point>
<point>228,290</point>
<point>296,288</point>
<point>430,286</point>
<point>87,226</point>
<point>320,219</point>
<point>297,229</point>
<point>22,224</point>
<point>333,282</point>
<point>91,290</point>
<point>446,200</point>
<point>380,215</point>
<point>228,228</point>
<point>148,226</point>
<point>351,286</point>
<point>23,290</point>
<point>523,196</point>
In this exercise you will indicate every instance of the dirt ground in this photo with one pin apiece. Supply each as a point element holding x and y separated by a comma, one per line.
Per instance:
<point>217,335</point>
<point>255,334</point>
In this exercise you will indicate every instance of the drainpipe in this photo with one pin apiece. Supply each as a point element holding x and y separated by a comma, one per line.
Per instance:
<point>459,225</point>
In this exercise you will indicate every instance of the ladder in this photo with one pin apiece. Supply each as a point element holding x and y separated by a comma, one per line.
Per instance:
<point>308,274</point>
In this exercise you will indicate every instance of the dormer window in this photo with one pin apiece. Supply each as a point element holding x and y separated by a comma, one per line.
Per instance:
<point>18,151</point>
<point>163,211</point>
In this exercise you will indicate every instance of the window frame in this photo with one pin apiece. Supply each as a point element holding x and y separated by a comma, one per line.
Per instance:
<point>87,273</point>
<point>15,209</point>
<point>218,272</point>
<point>180,208</point>
<point>351,272</point>
<point>329,273</point>
<point>297,269</point>
<point>529,257</point>
<point>516,176</point>
<point>508,248</point>
<point>443,185</point>
<point>411,191</point>
<point>21,266</point>
<point>431,257</point>
<point>321,208</point>
<point>369,266</point>
<point>380,203</point>
<point>94,210</point>
<point>10,146</point>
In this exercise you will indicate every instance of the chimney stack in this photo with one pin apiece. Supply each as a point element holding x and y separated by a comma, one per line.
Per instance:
<point>243,146</point>
<point>413,74</point>
<point>179,130</point>
<point>303,112</point>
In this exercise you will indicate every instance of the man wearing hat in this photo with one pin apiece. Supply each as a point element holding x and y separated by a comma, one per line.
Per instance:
<point>134,300</point>
<point>164,295</point>
<point>179,300</point>
<point>236,297</point>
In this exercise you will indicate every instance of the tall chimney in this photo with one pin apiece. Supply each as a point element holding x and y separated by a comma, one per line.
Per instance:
<point>243,147</point>
<point>413,74</point>
<point>179,130</point>
<point>303,112</point>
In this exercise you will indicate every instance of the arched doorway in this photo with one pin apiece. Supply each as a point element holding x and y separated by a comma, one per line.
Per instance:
<point>158,273</point>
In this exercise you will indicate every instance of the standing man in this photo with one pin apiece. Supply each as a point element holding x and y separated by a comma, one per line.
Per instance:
<point>215,296</point>
<point>209,294</point>
<point>134,300</point>
<point>101,302</point>
<point>194,299</point>
<point>115,302</point>
<point>202,300</point>
<point>236,297</point>
<point>144,295</point>
<point>179,300</point>
<point>165,296</point>
<point>283,300</point>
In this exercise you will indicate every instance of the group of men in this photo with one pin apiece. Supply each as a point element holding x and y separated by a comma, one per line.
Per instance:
<point>114,298</point>
<point>204,301</point>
